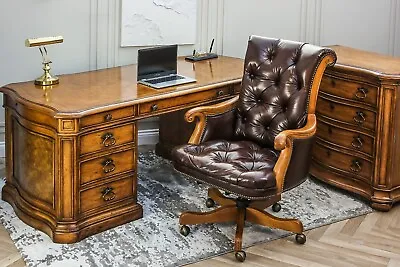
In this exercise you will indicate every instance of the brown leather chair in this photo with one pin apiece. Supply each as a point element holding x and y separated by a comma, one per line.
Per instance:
<point>257,145</point>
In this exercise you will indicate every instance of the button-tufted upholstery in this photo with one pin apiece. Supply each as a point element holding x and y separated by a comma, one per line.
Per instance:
<point>275,88</point>
<point>276,85</point>
<point>242,167</point>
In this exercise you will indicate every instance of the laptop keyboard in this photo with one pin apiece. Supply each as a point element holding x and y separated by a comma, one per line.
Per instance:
<point>165,79</point>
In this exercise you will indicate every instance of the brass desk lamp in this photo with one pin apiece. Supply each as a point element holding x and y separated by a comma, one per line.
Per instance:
<point>47,78</point>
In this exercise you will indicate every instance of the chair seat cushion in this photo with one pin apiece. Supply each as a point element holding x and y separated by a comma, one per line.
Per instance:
<point>239,167</point>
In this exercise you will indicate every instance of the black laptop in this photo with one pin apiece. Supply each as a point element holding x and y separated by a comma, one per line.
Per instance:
<point>157,67</point>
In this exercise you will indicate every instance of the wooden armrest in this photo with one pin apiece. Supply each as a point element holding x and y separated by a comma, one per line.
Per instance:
<point>202,112</point>
<point>284,142</point>
<point>283,139</point>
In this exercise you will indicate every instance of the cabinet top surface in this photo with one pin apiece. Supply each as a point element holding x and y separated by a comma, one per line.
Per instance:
<point>378,64</point>
<point>116,87</point>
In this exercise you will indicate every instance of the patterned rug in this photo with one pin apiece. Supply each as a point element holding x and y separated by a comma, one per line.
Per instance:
<point>154,240</point>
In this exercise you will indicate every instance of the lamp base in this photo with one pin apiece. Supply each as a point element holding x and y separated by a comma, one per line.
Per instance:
<point>47,78</point>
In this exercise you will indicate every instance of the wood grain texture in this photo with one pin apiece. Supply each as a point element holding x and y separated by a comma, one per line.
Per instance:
<point>358,109</point>
<point>71,148</point>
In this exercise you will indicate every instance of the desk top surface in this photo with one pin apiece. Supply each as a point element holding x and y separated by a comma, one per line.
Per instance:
<point>92,91</point>
<point>374,63</point>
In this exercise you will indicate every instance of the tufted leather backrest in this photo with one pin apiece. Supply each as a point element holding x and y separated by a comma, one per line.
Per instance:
<point>276,84</point>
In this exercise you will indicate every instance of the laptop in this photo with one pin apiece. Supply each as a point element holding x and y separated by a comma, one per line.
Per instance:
<point>157,67</point>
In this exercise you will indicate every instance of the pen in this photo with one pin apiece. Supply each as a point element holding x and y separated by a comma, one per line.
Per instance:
<point>212,43</point>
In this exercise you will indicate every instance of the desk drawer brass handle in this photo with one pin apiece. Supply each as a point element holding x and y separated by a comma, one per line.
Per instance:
<point>154,107</point>
<point>108,166</point>
<point>356,165</point>
<point>361,93</point>
<point>357,142</point>
<point>108,194</point>
<point>220,93</point>
<point>108,117</point>
<point>108,140</point>
<point>359,117</point>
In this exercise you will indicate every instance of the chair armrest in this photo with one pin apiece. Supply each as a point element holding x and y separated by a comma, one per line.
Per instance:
<point>201,113</point>
<point>284,142</point>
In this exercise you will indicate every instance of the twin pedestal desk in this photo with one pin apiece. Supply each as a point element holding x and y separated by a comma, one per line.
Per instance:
<point>71,149</point>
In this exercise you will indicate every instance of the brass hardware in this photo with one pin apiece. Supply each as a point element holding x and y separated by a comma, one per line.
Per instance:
<point>108,194</point>
<point>220,93</point>
<point>154,107</point>
<point>108,166</point>
<point>357,142</point>
<point>108,117</point>
<point>47,78</point>
<point>361,93</point>
<point>359,117</point>
<point>108,140</point>
<point>356,165</point>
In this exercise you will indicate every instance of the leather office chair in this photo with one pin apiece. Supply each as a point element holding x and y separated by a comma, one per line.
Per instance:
<point>258,144</point>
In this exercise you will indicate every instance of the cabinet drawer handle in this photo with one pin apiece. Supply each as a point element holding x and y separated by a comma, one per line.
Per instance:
<point>356,165</point>
<point>108,117</point>
<point>361,93</point>
<point>357,142</point>
<point>108,194</point>
<point>108,140</point>
<point>220,93</point>
<point>154,107</point>
<point>108,166</point>
<point>359,117</point>
<point>331,106</point>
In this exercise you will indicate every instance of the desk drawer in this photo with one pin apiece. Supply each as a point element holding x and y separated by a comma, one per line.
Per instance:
<point>355,166</point>
<point>351,115</point>
<point>349,139</point>
<point>105,195</point>
<point>107,165</point>
<point>107,139</point>
<point>160,106</point>
<point>107,117</point>
<point>350,90</point>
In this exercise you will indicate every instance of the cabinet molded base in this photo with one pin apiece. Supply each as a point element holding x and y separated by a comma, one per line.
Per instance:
<point>70,231</point>
<point>379,199</point>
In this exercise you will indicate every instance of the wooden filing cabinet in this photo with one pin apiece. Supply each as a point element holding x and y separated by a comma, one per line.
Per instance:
<point>358,132</point>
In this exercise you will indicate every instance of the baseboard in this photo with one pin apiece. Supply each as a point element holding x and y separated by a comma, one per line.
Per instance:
<point>146,137</point>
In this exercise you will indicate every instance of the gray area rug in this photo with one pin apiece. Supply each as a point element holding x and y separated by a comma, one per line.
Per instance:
<point>154,240</point>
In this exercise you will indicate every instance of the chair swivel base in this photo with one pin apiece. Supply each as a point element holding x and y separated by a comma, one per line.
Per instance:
<point>240,210</point>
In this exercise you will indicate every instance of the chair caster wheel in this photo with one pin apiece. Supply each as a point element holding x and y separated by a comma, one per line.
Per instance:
<point>184,230</point>
<point>240,255</point>
<point>300,239</point>
<point>210,203</point>
<point>276,207</point>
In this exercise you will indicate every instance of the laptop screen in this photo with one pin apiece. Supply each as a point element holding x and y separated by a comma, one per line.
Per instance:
<point>157,61</point>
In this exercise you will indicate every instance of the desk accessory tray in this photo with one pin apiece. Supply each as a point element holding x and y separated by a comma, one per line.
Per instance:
<point>201,57</point>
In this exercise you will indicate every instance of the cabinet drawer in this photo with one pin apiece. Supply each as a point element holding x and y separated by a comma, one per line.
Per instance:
<point>107,139</point>
<point>160,106</point>
<point>107,117</point>
<point>350,90</point>
<point>345,138</point>
<point>354,116</point>
<point>107,194</point>
<point>357,167</point>
<point>107,165</point>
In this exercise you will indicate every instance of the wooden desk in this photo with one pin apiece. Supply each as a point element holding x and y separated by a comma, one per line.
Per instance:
<point>71,152</point>
<point>358,131</point>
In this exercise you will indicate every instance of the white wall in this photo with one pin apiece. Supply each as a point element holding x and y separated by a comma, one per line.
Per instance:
<point>372,25</point>
<point>91,30</point>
